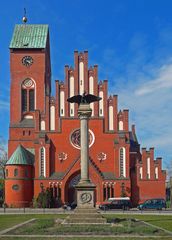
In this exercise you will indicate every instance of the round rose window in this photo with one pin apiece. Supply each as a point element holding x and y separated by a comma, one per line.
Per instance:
<point>75,138</point>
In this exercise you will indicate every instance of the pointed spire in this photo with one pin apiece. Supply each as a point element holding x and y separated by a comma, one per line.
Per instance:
<point>24,19</point>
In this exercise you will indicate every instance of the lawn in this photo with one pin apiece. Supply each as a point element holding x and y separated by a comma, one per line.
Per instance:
<point>163,221</point>
<point>7,221</point>
<point>89,238</point>
<point>48,224</point>
<point>52,225</point>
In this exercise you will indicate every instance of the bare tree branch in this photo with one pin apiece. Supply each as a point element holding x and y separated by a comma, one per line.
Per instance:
<point>3,156</point>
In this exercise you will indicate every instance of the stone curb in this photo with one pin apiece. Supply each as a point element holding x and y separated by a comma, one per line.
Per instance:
<point>85,236</point>
<point>16,226</point>
<point>151,225</point>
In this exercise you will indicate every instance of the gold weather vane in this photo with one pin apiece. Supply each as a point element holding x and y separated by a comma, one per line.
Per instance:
<point>24,19</point>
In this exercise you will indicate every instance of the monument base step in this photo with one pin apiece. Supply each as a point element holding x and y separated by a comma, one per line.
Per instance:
<point>85,220</point>
<point>85,210</point>
<point>85,216</point>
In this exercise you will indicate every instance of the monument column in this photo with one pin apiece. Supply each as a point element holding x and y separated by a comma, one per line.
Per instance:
<point>85,188</point>
<point>84,112</point>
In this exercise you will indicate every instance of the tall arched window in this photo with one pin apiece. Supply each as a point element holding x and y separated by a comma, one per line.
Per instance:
<point>42,171</point>
<point>122,162</point>
<point>28,95</point>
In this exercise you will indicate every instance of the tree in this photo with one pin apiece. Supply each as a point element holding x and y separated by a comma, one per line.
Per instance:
<point>3,160</point>
<point>3,156</point>
<point>169,170</point>
<point>45,198</point>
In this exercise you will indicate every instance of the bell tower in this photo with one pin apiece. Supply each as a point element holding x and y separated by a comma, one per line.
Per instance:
<point>30,71</point>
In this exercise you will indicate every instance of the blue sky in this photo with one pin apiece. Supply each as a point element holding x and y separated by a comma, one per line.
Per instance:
<point>130,40</point>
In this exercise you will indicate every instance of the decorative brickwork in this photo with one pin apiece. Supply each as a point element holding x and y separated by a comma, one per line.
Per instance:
<point>52,124</point>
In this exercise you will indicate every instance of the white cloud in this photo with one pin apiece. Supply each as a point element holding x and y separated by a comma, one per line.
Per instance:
<point>162,80</point>
<point>150,103</point>
<point>4,105</point>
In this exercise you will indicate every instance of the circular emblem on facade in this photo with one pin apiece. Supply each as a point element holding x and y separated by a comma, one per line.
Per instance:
<point>15,187</point>
<point>75,138</point>
<point>27,61</point>
<point>86,197</point>
<point>28,82</point>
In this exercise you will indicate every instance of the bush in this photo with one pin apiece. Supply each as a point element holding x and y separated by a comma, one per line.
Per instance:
<point>44,199</point>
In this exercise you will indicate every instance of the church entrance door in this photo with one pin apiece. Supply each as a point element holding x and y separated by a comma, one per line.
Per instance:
<point>71,188</point>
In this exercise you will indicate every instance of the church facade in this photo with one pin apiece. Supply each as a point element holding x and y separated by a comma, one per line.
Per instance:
<point>44,132</point>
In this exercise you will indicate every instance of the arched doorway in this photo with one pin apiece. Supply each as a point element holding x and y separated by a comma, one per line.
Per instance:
<point>70,187</point>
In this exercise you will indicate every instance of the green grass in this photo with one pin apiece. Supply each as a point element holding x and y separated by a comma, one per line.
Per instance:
<point>48,226</point>
<point>7,221</point>
<point>45,224</point>
<point>83,238</point>
<point>157,220</point>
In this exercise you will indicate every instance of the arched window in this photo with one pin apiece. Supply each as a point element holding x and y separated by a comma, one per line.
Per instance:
<point>24,100</point>
<point>15,172</point>
<point>28,95</point>
<point>42,162</point>
<point>122,162</point>
<point>31,100</point>
<point>6,172</point>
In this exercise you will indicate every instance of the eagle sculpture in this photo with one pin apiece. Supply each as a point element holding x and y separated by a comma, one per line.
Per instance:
<point>85,98</point>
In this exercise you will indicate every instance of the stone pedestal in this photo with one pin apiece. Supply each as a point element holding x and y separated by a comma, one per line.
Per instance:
<point>85,188</point>
<point>85,195</point>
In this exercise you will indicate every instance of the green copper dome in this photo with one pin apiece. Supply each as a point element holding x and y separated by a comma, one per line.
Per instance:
<point>21,156</point>
<point>29,36</point>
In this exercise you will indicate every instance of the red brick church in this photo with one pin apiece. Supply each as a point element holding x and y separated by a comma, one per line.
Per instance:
<point>44,132</point>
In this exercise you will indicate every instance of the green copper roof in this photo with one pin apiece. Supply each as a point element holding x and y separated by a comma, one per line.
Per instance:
<point>21,156</point>
<point>29,36</point>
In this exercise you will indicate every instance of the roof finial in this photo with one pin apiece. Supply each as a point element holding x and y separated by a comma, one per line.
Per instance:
<point>24,19</point>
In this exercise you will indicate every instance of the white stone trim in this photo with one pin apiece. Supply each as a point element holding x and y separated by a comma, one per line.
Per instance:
<point>101,109</point>
<point>71,94</point>
<point>156,172</point>
<point>43,125</point>
<point>91,91</point>
<point>52,118</point>
<point>141,172</point>
<point>81,78</point>
<point>62,103</point>
<point>121,126</point>
<point>148,167</point>
<point>28,116</point>
<point>111,119</point>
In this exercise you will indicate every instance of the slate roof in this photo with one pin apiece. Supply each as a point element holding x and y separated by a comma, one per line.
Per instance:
<point>29,36</point>
<point>21,156</point>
